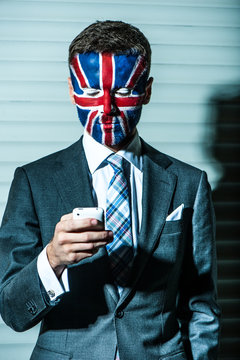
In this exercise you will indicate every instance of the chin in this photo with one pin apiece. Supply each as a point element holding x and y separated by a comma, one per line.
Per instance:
<point>114,143</point>
<point>119,141</point>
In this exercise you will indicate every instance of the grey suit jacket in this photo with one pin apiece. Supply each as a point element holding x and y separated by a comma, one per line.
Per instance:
<point>167,311</point>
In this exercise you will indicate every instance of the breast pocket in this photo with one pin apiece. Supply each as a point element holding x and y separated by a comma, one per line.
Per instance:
<point>172,227</point>
<point>170,247</point>
<point>166,258</point>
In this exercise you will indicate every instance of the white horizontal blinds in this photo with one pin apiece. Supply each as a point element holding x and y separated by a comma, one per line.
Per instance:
<point>196,57</point>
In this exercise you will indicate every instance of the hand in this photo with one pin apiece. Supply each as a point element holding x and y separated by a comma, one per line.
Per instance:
<point>75,240</point>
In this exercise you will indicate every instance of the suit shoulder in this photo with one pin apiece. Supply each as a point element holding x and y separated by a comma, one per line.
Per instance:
<point>181,166</point>
<point>170,163</point>
<point>51,160</point>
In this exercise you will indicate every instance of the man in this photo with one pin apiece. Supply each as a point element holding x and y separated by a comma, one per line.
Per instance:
<point>142,285</point>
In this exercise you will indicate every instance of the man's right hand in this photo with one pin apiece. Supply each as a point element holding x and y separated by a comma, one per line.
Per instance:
<point>75,240</point>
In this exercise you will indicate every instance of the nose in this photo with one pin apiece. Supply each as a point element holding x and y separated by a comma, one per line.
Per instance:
<point>107,102</point>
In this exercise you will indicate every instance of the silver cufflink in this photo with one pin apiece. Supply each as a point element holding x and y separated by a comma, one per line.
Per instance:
<point>51,293</point>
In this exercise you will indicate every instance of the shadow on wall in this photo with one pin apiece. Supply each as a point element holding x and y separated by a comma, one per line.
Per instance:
<point>225,149</point>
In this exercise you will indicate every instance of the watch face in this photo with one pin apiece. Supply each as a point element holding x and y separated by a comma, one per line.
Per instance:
<point>109,91</point>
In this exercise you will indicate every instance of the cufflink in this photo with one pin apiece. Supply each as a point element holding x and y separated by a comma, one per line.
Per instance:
<point>51,293</point>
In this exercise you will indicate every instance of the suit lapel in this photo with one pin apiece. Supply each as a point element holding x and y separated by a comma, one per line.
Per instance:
<point>72,178</point>
<point>158,189</point>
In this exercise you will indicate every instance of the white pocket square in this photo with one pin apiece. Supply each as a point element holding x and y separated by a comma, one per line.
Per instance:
<point>176,214</point>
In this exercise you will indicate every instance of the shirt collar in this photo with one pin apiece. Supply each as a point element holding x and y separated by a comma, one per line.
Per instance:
<point>96,153</point>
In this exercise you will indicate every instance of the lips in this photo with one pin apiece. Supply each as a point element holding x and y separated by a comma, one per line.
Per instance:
<point>108,122</point>
<point>105,119</point>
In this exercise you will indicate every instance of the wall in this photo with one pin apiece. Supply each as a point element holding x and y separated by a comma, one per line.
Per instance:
<point>192,115</point>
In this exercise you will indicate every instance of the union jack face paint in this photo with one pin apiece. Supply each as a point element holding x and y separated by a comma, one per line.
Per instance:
<point>109,91</point>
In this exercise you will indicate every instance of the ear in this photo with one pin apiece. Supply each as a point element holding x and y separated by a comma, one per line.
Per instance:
<point>71,91</point>
<point>148,91</point>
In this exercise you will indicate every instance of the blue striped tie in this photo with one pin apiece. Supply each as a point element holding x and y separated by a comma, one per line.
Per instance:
<point>118,219</point>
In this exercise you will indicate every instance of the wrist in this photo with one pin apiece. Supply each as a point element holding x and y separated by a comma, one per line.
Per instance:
<point>57,268</point>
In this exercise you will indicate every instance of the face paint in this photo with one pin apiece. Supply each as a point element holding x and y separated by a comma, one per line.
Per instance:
<point>109,91</point>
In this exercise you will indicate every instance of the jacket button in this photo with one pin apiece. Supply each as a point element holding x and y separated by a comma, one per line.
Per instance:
<point>119,314</point>
<point>33,310</point>
<point>31,307</point>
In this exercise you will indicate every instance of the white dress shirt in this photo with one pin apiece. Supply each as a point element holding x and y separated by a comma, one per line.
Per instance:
<point>101,173</point>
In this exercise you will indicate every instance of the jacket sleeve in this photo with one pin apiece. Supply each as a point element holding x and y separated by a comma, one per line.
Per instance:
<point>23,301</point>
<point>199,309</point>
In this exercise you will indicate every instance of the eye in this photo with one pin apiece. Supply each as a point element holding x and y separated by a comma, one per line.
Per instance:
<point>91,92</point>
<point>123,92</point>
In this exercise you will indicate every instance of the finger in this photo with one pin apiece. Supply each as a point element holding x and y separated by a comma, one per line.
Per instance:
<point>71,225</point>
<point>76,257</point>
<point>83,247</point>
<point>66,217</point>
<point>85,237</point>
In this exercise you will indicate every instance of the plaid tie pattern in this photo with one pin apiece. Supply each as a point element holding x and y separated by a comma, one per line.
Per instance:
<point>118,219</point>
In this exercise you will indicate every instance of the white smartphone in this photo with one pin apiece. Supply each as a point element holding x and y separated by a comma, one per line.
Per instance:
<point>88,212</point>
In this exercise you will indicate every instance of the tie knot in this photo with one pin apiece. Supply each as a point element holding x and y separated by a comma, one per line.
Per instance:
<point>116,161</point>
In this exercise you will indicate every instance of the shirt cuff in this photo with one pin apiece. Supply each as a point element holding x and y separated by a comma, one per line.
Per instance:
<point>53,286</point>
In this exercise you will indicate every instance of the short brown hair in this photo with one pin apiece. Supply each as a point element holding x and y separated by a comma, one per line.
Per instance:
<point>116,37</point>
